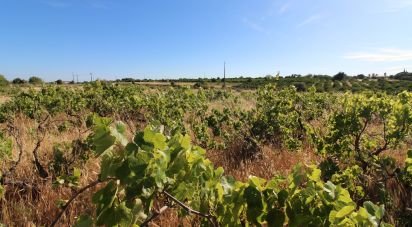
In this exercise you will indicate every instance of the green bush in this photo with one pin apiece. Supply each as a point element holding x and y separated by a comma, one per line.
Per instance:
<point>35,80</point>
<point>3,81</point>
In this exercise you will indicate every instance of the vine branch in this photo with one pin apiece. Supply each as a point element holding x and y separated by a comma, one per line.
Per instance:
<point>156,214</point>
<point>66,206</point>
<point>188,209</point>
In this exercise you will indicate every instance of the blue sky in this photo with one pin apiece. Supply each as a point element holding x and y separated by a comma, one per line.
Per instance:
<point>191,38</point>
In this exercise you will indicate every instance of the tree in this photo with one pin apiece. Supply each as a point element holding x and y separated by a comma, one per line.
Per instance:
<point>340,76</point>
<point>300,86</point>
<point>19,81</point>
<point>3,81</point>
<point>361,76</point>
<point>128,79</point>
<point>35,80</point>
<point>59,81</point>
<point>403,76</point>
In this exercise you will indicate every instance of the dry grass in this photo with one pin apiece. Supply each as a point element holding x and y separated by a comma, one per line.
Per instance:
<point>31,200</point>
<point>271,162</point>
<point>4,99</point>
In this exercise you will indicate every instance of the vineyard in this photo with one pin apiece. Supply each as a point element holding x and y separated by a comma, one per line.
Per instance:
<point>106,154</point>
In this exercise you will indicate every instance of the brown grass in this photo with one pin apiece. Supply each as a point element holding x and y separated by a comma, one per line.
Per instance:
<point>271,162</point>
<point>31,200</point>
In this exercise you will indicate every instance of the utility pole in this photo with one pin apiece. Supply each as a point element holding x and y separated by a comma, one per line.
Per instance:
<point>77,78</point>
<point>224,74</point>
<point>91,77</point>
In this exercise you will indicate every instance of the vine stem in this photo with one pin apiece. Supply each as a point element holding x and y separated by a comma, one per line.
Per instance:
<point>210,217</point>
<point>155,215</point>
<point>66,206</point>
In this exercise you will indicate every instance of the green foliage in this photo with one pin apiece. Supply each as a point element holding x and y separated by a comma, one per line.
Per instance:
<point>19,81</point>
<point>67,161</point>
<point>35,80</point>
<point>406,174</point>
<point>3,81</point>
<point>6,146</point>
<point>340,76</point>
<point>408,163</point>
<point>142,171</point>
<point>348,130</point>
<point>282,116</point>
<point>350,178</point>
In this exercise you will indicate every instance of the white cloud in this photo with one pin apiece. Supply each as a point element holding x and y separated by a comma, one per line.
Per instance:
<point>284,8</point>
<point>309,20</point>
<point>382,55</point>
<point>254,26</point>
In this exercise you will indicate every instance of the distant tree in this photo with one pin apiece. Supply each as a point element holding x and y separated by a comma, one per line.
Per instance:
<point>340,76</point>
<point>59,81</point>
<point>300,86</point>
<point>19,81</point>
<point>268,77</point>
<point>403,76</point>
<point>3,81</point>
<point>35,80</point>
<point>360,76</point>
<point>201,84</point>
<point>128,79</point>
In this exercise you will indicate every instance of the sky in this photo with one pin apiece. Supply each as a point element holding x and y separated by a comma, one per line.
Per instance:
<point>114,39</point>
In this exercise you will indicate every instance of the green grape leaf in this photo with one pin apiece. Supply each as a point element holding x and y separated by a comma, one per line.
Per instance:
<point>138,212</point>
<point>109,165</point>
<point>330,188</point>
<point>105,197</point>
<point>345,211</point>
<point>370,207</point>
<point>282,197</point>
<point>156,139</point>
<point>254,202</point>
<point>118,133</point>
<point>102,140</point>
<point>380,212</point>
<point>116,215</point>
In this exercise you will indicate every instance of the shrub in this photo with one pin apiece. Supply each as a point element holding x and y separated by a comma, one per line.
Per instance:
<point>3,81</point>
<point>19,81</point>
<point>35,80</point>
